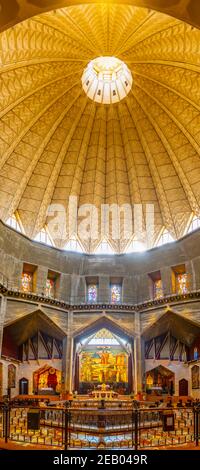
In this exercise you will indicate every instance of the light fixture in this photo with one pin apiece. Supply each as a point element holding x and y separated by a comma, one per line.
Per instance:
<point>107,80</point>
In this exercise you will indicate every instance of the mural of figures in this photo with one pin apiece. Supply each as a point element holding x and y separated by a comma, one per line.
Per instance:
<point>11,376</point>
<point>47,379</point>
<point>195,377</point>
<point>103,364</point>
<point>160,380</point>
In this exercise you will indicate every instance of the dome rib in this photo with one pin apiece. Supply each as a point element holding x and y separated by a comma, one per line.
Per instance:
<point>32,92</point>
<point>86,39</point>
<point>189,196</point>
<point>47,198</point>
<point>161,197</point>
<point>167,87</point>
<point>182,127</point>
<point>166,19</point>
<point>35,118</point>
<point>21,188</point>
<point>182,176</point>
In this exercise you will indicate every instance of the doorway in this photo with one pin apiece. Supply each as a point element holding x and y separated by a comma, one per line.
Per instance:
<point>183,388</point>
<point>23,386</point>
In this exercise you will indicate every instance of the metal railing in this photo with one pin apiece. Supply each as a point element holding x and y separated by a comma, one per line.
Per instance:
<point>99,425</point>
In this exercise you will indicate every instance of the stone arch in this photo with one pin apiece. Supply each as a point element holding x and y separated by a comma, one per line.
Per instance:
<point>115,329</point>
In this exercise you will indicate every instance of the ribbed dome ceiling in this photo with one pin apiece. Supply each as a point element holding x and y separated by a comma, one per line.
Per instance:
<point>56,142</point>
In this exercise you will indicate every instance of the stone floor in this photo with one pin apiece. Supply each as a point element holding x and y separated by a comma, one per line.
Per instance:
<point>10,445</point>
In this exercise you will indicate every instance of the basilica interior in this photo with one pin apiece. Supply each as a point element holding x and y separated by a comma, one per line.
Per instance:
<point>100,223</point>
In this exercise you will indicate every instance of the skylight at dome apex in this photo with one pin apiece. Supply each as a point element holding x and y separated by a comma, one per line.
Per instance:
<point>107,80</point>
<point>59,137</point>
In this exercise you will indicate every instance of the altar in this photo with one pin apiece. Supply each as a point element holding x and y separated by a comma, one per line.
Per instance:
<point>103,392</point>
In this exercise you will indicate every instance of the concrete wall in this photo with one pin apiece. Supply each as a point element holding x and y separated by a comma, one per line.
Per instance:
<point>15,249</point>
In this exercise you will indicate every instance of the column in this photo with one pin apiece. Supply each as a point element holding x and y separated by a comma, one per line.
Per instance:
<point>68,346</point>
<point>64,290</point>
<point>15,281</point>
<point>3,306</point>
<point>191,275</point>
<point>166,276</point>
<point>129,290</point>
<point>41,279</point>
<point>143,293</point>
<point>196,275</point>
<point>138,356</point>
<point>104,289</point>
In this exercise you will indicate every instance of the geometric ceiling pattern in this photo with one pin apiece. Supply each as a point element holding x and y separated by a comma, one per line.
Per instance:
<point>55,142</point>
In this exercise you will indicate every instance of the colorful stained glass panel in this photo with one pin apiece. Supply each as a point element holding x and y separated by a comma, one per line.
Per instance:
<point>92,293</point>
<point>115,294</point>
<point>182,283</point>
<point>27,282</point>
<point>158,289</point>
<point>50,288</point>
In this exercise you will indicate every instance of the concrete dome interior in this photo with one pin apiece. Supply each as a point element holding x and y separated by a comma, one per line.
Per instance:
<point>56,143</point>
<point>105,161</point>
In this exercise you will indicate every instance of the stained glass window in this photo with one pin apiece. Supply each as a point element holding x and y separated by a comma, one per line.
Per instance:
<point>92,293</point>
<point>50,288</point>
<point>13,223</point>
<point>27,282</point>
<point>115,294</point>
<point>165,238</point>
<point>103,337</point>
<point>104,248</point>
<point>158,289</point>
<point>195,224</point>
<point>43,237</point>
<point>73,245</point>
<point>182,283</point>
<point>196,354</point>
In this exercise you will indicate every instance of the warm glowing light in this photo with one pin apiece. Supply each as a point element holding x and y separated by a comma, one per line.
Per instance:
<point>107,80</point>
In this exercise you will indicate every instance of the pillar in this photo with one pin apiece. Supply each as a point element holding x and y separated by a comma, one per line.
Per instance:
<point>191,275</point>
<point>68,346</point>
<point>166,276</point>
<point>3,306</point>
<point>196,271</point>
<point>129,290</point>
<point>143,288</point>
<point>138,356</point>
<point>104,289</point>
<point>41,279</point>
<point>64,290</point>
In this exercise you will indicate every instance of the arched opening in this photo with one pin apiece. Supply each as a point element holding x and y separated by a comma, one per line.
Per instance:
<point>103,356</point>
<point>183,388</point>
<point>47,381</point>
<point>159,381</point>
<point>23,386</point>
